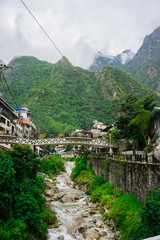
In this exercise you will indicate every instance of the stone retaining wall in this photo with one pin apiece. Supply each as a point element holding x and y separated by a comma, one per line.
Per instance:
<point>132,177</point>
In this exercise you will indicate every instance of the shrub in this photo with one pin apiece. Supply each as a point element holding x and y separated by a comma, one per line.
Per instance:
<point>151,214</point>
<point>81,164</point>
<point>80,167</point>
<point>47,216</point>
<point>14,229</point>
<point>7,183</point>
<point>126,213</point>
<point>68,148</point>
<point>51,165</point>
<point>25,161</point>
<point>7,172</point>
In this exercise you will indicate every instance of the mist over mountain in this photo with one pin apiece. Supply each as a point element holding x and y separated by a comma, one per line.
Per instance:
<point>144,65</point>
<point>100,60</point>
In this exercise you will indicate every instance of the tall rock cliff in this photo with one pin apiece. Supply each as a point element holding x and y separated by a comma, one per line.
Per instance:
<point>145,66</point>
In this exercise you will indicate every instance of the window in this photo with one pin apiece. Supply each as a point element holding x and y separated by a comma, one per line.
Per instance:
<point>3,120</point>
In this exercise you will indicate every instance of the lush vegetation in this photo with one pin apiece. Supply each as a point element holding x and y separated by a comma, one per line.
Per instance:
<point>132,219</point>
<point>134,120</point>
<point>24,214</point>
<point>145,65</point>
<point>51,165</point>
<point>62,97</point>
<point>151,213</point>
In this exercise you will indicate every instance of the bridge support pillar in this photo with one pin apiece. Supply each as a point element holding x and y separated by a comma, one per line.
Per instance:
<point>33,147</point>
<point>110,150</point>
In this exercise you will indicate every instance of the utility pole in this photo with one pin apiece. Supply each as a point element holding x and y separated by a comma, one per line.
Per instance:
<point>3,67</point>
<point>110,147</point>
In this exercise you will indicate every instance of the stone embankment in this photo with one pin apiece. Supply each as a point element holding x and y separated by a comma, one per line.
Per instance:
<point>133,177</point>
<point>77,217</point>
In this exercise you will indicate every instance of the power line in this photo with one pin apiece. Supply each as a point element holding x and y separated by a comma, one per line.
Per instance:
<point>47,35</point>
<point>42,28</point>
<point>9,90</point>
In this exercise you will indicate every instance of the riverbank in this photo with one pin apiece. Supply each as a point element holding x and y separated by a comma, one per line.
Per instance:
<point>77,217</point>
<point>133,220</point>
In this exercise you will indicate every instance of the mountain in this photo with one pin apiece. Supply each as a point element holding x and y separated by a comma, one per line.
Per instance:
<point>62,97</point>
<point>100,60</point>
<point>145,66</point>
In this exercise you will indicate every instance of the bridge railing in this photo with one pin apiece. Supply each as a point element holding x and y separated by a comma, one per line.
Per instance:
<point>139,158</point>
<point>58,141</point>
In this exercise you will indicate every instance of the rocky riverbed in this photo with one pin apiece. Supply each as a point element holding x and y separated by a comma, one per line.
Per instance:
<point>77,217</point>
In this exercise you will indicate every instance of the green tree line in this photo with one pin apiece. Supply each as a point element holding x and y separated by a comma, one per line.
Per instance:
<point>24,214</point>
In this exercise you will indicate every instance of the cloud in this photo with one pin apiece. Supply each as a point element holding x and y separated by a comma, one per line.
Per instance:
<point>78,28</point>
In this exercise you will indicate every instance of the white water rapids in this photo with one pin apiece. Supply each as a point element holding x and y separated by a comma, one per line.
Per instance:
<point>78,218</point>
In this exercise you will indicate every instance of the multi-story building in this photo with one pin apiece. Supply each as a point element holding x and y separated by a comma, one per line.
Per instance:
<point>7,124</point>
<point>20,127</point>
<point>27,126</point>
<point>98,129</point>
<point>98,125</point>
<point>15,122</point>
<point>7,117</point>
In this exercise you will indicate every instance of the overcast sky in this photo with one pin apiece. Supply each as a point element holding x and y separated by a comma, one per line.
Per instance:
<point>79,28</point>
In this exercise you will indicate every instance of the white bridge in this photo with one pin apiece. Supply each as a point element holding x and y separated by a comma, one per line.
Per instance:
<point>96,142</point>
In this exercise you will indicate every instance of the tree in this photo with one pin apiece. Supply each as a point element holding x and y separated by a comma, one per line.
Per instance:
<point>134,119</point>
<point>148,102</point>
<point>25,162</point>
<point>151,213</point>
<point>7,182</point>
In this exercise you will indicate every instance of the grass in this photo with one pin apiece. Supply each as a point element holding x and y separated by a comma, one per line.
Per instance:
<point>124,209</point>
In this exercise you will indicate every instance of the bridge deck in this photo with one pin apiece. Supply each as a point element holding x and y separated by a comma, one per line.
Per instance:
<point>58,141</point>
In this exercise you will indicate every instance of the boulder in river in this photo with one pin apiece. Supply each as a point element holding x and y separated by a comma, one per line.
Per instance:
<point>91,234</point>
<point>49,193</point>
<point>61,237</point>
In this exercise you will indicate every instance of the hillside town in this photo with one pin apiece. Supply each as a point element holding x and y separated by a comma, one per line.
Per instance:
<point>16,122</point>
<point>80,120</point>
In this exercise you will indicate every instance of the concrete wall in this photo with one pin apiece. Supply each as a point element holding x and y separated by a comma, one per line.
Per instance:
<point>132,177</point>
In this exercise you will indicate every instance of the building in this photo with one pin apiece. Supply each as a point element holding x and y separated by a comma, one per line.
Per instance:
<point>98,129</point>
<point>98,125</point>
<point>20,127</point>
<point>7,117</point>
<point>16,123</point>
<point>7,121</point>
<point>26,127</point>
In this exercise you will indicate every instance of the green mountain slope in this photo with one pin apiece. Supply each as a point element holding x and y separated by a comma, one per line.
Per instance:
<point>145,66</point>
<point>63,97</point>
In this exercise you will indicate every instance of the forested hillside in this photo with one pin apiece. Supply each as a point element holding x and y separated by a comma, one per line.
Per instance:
<point>62,97</point>
<point>145,65</point>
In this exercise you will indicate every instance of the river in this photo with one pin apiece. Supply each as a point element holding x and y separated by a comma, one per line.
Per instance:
<point>78,218</point>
